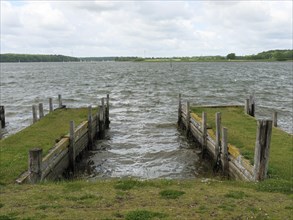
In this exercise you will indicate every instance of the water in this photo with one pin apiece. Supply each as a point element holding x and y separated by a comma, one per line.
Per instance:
<point>143,139</point>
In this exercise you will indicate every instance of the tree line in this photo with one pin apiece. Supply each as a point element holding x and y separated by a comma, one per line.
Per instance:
<point>10,57</point>
<point>271,55</point>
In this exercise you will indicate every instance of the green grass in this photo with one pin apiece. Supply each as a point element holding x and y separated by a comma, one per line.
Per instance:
<point>45,133</point>
<point>242,134</point>
<point>79,199</point>
<point>171,194</point>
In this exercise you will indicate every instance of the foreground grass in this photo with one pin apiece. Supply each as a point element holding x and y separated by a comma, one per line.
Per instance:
<point>105,199</point>
<point>45,133</point>
<point>242,133</point>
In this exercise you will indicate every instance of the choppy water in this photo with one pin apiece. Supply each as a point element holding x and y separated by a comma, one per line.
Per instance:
<point>143,139</point>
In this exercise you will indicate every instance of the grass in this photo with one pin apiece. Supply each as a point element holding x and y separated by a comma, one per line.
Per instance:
<point>79,199</point>
<point>242,134</point>
<point>45,133</point>
<point>171,194</point>
<point>134,199</point>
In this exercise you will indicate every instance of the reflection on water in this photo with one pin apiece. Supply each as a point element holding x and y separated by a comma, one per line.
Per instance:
<point>143,140</point>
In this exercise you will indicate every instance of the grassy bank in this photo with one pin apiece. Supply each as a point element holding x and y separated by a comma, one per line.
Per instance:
<point>44,134</point>
<point>132,199</point>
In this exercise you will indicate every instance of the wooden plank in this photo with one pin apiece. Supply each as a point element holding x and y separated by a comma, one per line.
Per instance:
<point>81,130</point>
<point>72,147</point>
<point>61,146</point>
<point>58,168</point>
<point>50,168</point>
<point>90,128</point>
<point>204,133</point>
<point>81,144</point>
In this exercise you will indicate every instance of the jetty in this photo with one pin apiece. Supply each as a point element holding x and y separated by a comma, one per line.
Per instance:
<point>50,147</point>
<point>238,144</point>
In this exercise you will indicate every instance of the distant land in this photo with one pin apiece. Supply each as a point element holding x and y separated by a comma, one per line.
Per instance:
<point>271,55</point>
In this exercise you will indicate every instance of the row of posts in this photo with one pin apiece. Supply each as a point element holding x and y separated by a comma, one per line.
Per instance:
<point>221,156</point>
<point>41,108</point>
<point>103,122</point>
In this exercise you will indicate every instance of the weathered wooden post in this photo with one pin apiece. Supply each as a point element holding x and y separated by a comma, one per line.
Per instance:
<point>187,118</point>
<point>225,154</point>
<point>262,149</point>
<point>41,110</point>
<point>2,116</point>
<point>101,123</point>
<point>90,128</point>
<point>60,101</point>
<point>104,110</point>
<point>72,147</point>
<point>35,164</point>
<point>247,106</point>
<point>218,135</point>
<point>35,117</point>
<point>98,122</point>
<point>251,106</point>
<point>204,133</point>
<point>179,110</point>
<point>275,119</point>
<point>107,112</point>
<point>51,105</point>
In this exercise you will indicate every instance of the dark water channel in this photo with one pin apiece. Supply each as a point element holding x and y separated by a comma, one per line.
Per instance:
<point>143,140</point>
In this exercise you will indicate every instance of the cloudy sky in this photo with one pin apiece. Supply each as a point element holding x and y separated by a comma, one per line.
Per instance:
<point>145,28</point>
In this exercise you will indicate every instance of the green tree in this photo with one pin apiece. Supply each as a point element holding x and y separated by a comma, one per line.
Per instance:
<point>231,56</point>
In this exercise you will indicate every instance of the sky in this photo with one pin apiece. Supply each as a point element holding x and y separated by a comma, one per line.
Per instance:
<point>145,28</point>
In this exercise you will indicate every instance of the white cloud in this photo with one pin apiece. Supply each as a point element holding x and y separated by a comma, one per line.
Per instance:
<point>166,28</point>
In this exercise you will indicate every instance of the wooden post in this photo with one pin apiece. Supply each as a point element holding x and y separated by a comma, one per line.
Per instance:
<point>60,101</point>
<point>98,122</point>
<point>107,112</point>
<point>41,110</point>
<point>51,104</point>
<point>35,164</point>
<point>179,110</point>
<point>262,149</point>
<point>2,116</point>
<point>275,119</point>
<point>204,133</point>
<point>90,128</point>
<point>72,147</point>
<point>187,118</point>
<point>35,117</point>
<point>101,123</point>
<point>225,154</point>
<point>247,106</point>
<point>103,107</point>
<point>251,106</point>
<point>218,135</point>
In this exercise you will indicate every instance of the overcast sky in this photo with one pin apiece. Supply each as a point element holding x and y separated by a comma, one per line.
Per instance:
<point>145,28</point>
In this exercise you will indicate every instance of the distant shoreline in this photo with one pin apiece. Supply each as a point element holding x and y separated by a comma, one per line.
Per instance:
<point>266,56</point>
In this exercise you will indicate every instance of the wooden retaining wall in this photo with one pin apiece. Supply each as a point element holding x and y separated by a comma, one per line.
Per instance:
<point>62,156</point>
<point>224,155</point>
